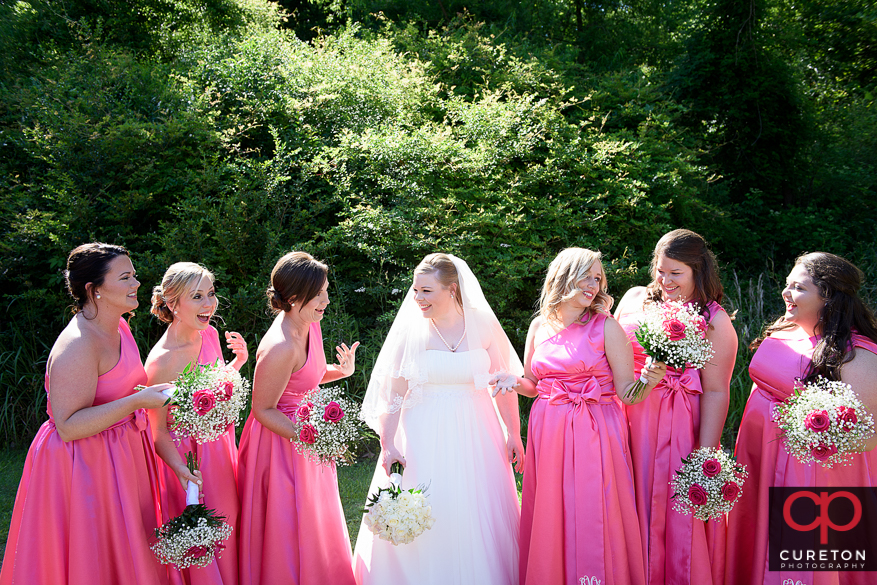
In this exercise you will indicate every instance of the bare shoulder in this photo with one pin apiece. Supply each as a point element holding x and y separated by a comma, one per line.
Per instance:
<point>632,301</point>
<point>163,365</point>
<point>722,325</point>
<point>77,346</point>
<point>275,346</point>
<point>862,367</point>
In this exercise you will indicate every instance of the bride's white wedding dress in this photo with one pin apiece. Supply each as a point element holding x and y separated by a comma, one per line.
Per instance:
<point>454,445</point>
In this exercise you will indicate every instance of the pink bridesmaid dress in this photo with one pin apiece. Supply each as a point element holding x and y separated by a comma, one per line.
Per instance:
<point>665,428</point>
<point>774,368</point>
<point>86,510</point>
<point>218,463</point>
<point>292,528</point>
<point>578,514</point>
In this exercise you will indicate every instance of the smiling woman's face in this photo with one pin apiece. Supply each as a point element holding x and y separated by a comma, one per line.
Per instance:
<point>675,278</point>
<point>803,300</point>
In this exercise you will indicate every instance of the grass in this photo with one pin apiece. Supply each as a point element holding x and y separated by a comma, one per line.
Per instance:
<point>11,466</point>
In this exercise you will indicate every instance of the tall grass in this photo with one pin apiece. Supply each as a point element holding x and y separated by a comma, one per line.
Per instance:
<point>22,370</point>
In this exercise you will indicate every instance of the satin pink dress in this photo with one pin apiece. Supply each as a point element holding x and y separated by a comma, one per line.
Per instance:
<point>292,528</point>
<point>218,463</point>
<point>774,368</point>
<point>665,428</point>
<point>87,510</point>
<point>578,514</point>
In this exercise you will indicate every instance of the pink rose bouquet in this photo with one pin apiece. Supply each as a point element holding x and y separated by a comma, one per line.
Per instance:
<point>195,537</point>
<point>673,333</point>
<point>326,422</point>
<point>708,484</point>
<point>823,421</point>
<point>206,399</point>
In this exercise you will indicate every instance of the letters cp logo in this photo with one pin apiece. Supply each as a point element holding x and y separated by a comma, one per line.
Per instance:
<point>823,517</point>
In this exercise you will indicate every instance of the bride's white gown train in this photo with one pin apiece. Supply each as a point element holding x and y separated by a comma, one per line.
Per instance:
<point>454,444</point>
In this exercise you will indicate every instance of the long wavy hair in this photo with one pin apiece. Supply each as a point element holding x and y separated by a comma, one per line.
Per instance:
<point>691,249</point>
<point>838,281</point>
<point>569,267</point>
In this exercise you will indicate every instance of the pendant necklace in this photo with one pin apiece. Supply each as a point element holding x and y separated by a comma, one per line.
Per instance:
<point>443,339</point>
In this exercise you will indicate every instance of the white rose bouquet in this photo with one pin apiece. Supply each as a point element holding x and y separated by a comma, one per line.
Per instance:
<point>195,537</point>
<point>823,421</point>
<point>708,484</point>
<point>205,399</point>
<point>326,423</point>
<point>396,515</point>
<point>673,333</point>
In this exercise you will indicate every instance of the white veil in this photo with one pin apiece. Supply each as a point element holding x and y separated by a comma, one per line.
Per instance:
<point>398,376</point>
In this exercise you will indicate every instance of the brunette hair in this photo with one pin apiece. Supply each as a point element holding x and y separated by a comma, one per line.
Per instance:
<point>297,278</point>
<point>89,263</point>
<point>444,270</point>
<point>177,280</point>
<point>567,268</point>
<point>838,281</point>
<point>691,249</point>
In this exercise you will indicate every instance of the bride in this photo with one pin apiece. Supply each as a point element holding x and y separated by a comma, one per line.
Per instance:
<point>428,400</point>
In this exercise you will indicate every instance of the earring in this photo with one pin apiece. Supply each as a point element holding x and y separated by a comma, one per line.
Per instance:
<point>176,312</point>
<point>97,295</point>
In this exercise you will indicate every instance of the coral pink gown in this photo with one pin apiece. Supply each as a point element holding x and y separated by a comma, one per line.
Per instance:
<point>578,515</point>
<point>86,510</point>
<point>665,428</point>
<point>292,528</point>
<point>218,463</point>
<point>774,368</point>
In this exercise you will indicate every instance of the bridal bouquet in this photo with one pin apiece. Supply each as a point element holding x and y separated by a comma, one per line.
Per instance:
<point>673,333</point>
<point>206,399</point>
<point>823,421</point>
<point>395,515</point>
<point>326,423</point>
<point>708,484</point>
<point>195,537</point>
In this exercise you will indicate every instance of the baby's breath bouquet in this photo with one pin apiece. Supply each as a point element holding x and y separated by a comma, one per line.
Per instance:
<point>708,484</point>
<point>823,421</point>
<point>395,515</point>
<point>326,423</point>
<point>673,333</point>
<point>195,537</point>
<point>206,399</point>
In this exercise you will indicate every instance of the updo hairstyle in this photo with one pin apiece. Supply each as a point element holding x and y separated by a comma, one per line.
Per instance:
<point>691,249</point>
<point>569,267</point>
<point>179,279</point>
<point>443,270</point>
<point>296,279</point>
<point>89,263</point>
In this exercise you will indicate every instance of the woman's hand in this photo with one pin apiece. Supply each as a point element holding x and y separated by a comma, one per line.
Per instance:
<point>235,342</point>
<point>346,358</point>
<point>185,476</point>
<point>389,455</point>
<point>653,373</point>
<point>503,382</point>
<point>515,450</point>
<point>152,396</point>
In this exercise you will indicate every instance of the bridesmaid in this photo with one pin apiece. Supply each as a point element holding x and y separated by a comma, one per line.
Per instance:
<point>578,514</point>
<point>186,300</point>
<point>685,411</point>
<point>292,526</point>
<point>88,499</point>
<point>826,331</point>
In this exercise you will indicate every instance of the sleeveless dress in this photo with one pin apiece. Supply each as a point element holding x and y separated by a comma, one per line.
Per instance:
<point>774,368</point>
<point>218,463</point>
<point>292,527</point>
<point>578,514</point>
<point>86,510</point>
<point>664,428</point>
<point>455,446</point>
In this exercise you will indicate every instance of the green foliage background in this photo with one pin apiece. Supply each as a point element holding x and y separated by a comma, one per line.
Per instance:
<point>371,133</point>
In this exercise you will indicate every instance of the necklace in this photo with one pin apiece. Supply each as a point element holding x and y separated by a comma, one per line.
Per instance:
<point>443,338</point>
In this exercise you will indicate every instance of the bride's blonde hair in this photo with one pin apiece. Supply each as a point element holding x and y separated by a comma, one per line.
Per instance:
<point>442,268</point>
<point>569,267</point>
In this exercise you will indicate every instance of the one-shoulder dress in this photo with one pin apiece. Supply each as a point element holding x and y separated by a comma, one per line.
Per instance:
<point>292,526</point>
<point>664,429</point>
<point>87,509</point>
<point>218,462</point>
<point>454,445</point>
<point>774,368</point>
<point>578,514</point>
